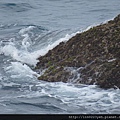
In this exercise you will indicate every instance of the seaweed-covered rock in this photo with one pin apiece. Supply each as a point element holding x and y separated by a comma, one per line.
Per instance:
<point>91,57</point>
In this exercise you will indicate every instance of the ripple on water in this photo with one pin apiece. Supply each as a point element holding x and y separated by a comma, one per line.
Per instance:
<point>15,7</point>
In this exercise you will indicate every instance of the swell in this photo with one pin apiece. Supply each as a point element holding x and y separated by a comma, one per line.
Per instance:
<point>16,7</point>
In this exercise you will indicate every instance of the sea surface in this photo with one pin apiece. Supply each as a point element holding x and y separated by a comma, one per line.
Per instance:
<point>30,28</point>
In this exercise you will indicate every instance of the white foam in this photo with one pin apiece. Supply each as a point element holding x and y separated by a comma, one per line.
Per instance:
<point>20,70</point>
<point>26,42</point>
<point>19,55</point>
<point>26,29</point>
<point>89,95</point>
<point>114,98</point>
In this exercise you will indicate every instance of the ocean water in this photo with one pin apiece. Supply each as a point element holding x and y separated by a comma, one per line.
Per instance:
<point>29,29</point>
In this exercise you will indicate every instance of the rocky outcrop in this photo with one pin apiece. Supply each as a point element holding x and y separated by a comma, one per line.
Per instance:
<point>91,57</point>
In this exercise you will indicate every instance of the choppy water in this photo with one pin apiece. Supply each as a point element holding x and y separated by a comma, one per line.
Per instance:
<point>30,28</point>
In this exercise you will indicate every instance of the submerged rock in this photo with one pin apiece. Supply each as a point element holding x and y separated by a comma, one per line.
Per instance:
<point>91,57</point>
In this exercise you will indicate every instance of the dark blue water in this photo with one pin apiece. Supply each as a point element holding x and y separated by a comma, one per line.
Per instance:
<point>29,29</point>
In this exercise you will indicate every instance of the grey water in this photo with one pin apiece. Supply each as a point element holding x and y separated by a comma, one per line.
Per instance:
<point>29,29</point>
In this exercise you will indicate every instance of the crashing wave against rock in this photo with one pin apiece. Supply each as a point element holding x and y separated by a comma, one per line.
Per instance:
<point>91,57</point>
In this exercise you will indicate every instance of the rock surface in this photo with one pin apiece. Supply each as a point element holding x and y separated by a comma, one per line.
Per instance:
<point>91,57</point>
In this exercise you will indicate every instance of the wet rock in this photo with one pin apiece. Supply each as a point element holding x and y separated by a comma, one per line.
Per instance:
<point>94,53</point>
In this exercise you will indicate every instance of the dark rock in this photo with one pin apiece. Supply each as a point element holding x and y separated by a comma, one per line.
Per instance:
<point>95,55</point>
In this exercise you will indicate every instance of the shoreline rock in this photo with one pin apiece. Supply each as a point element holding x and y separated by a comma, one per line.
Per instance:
<point>91,57</point>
